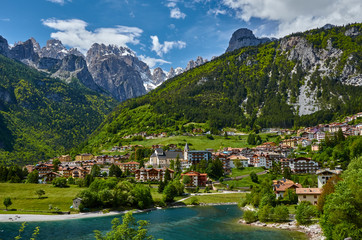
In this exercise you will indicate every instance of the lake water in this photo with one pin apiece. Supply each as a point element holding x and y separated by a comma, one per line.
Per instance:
<point>204,223</point>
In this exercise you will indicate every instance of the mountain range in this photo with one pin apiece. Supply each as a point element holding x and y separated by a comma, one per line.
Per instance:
<point>111,70</point>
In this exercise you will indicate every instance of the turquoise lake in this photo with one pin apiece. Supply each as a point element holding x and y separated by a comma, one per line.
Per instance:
<point>204,223</point>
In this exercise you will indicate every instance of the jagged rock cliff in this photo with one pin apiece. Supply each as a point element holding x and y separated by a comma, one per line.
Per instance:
<point>192,64</point>
<point>55,49</point>
<point>244,37</point>
<point>73,66</point>
<point>158,76</point>
<point>117,70</point>
<point>4,47</point>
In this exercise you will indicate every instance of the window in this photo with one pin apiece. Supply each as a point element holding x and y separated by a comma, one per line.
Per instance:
<point>304,196</point>
<point>315,196</point>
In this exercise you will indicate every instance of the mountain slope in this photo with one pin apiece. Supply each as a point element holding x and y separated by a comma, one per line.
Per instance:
<point>301,79</point>
<point>41,117</point>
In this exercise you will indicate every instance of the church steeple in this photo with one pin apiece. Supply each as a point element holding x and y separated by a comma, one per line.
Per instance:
<point>186,149</point>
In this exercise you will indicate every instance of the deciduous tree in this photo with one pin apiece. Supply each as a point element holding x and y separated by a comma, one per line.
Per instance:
<point>40,192</point>
<point>7,202</point>
<point>128,229</point>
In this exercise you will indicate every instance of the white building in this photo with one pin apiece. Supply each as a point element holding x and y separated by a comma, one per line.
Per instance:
<point>325,174</point>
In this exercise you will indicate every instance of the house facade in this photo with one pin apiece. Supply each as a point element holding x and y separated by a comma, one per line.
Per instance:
<point>324,175</point>
<point>303,165</point>
<point>308,194</point>
<point>151,174</point>
<point>84,157</point>
<point>129,166</point>
<point>197,179</point>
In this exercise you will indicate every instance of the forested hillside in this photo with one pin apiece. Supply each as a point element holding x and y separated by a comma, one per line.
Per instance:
<point>41,117</point>
<point>299,80</point>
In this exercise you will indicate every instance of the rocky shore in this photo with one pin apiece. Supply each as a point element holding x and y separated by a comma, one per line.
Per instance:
<point>314,231</point>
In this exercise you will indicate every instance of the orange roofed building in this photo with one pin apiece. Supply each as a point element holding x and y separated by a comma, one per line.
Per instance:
<point>130,166</point>
<point>197,179</point>
<point>151,174</point>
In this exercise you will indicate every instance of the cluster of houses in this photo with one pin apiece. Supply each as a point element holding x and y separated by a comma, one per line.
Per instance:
<point>305,194</point>
<point>147,135</point>
<point>313,136</point>
<point>78,168</point>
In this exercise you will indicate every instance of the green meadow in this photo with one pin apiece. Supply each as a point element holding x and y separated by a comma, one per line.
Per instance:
<point>25,200</point>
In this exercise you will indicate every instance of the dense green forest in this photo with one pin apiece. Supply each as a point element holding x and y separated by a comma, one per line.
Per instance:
<point>41,117</point>
<point>249,88</point>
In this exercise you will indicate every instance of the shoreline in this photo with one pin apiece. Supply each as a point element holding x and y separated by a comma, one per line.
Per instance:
<point>43,218</point>
<point>313,231</point>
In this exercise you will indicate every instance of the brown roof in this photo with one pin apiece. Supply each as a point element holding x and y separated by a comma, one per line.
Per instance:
<point>284,187</point>
<point>132,163</point>
<point>308,191</point>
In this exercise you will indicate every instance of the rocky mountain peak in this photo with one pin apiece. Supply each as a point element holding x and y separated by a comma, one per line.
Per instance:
<point>171,73</point>
<point>101,50</point>
<point>36,45</point>
<point>244,37</point>
<point>118,70</point>
<point>54,49</point>
<point>192,64</point>
<point>76,52</point>
<point>158,76</point>
<point>25,52</point>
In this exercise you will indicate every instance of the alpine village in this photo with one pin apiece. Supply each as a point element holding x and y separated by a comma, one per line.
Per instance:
<point>271,129</point>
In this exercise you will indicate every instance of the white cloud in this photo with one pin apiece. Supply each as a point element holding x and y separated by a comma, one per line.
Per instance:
<point>73,33</point>
<point>176,13</point>
<point>216,12</point>
<point>5,19</point>
<point>171,5</point>
<point>151,62</point>
<point>61,2</point>
<point>297,15</point>
<point>164,48</point>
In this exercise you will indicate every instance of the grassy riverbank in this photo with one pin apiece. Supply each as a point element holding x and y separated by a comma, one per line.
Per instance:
<point>25,200</point>
<point>216,198</point>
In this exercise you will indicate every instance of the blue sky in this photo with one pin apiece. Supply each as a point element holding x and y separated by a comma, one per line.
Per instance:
<point>169,32</point>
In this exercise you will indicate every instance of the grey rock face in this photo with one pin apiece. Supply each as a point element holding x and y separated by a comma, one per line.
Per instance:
<point>49,64</point>
<point>171,73</point>
<point>73,66</point>
<point>244,37</point>
<point>158,76</point>
<point>54,49</point>
<point>36,45</point>
<point>24,51</point>
<point>4,47</point>
<point>300,49</point>
<point>174,72</point>
<point>117,70</point>
<point>192,64</point>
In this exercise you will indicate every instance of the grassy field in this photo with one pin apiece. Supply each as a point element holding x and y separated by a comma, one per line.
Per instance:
<point>157,197</point>
<point>237,172</point>
<point>201,142</point>
<point>217,198</point>
<point>246,182</point>
<point>24,198</point>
